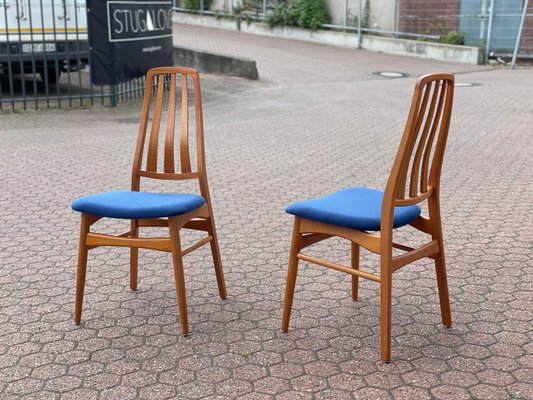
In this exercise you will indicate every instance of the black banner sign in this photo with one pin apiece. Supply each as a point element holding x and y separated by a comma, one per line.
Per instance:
<point>127,38</point>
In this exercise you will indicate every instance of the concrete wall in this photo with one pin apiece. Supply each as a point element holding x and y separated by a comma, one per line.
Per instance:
<point>215,63</point>
<point>413,48</point>
<point>381,12</point>
<point>381,16</point>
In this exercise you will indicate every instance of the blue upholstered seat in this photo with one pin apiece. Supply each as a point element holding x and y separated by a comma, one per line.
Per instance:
<point>356,208</point>
<point>137,205</point>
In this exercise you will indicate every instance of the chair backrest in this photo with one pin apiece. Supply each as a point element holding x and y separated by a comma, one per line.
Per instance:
<point>416,171</point>
<point>162,85</point>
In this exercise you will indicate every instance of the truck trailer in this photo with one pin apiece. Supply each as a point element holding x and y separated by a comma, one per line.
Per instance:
<point>46,37</point>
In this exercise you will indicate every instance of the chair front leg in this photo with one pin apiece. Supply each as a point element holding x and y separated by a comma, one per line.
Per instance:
<point>217,261</point>
<point>82,266</point>
<point>179,277</point>
<point>386,305</point>
<point>291,275</point>
<point>355,265</point>
<point>134,256</point>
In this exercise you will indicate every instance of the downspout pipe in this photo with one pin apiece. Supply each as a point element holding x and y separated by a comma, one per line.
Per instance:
<point>489,30</point>
<point>519,35</point>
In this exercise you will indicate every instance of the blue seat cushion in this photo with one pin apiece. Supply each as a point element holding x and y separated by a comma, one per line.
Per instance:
<point>357,208</point>
<point>137,205</point>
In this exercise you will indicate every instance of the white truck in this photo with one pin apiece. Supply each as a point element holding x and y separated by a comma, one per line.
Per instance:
<point>43,36</point>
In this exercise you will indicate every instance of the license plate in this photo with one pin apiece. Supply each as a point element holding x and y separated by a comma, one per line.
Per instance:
<point>38,47</point>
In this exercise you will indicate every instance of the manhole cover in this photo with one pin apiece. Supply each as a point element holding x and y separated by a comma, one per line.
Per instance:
<point>466,84</point>
<point>391,74</point>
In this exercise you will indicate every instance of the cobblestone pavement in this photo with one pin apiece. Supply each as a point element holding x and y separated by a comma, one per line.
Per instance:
<point>317,121</point>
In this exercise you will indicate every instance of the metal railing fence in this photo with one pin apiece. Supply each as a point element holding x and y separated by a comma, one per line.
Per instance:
<point>493,25</point>
<point>44,48</point>
<point>44,57</point>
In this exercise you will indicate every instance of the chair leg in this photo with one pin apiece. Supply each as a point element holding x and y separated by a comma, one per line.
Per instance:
<point>440,262</point>
<point>134,257</point>
<point>178,273</point>
<point>82,266</point>
<point>442,284</point>
<point>217,261</point>
<point>291,275</point>
<point>386,308</point>
<point>355,265</point>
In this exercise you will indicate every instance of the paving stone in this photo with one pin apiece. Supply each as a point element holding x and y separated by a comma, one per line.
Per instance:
<point>318,120</point>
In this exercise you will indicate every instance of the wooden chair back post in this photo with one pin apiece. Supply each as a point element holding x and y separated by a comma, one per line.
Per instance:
<point>200,149</point>
<point>158,81</point>
<point>415,175</point>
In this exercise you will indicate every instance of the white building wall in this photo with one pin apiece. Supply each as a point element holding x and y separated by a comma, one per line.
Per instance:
<point>381,12</point>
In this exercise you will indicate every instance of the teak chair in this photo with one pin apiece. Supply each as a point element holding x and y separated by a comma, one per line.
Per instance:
<point>356,213</point>
<point>147,209</point>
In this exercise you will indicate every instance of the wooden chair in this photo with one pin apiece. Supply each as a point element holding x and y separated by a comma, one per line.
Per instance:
<point>147,209</point>
<point>367,217</point>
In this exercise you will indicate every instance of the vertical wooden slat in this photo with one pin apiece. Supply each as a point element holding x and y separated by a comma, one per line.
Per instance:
<point>430,117</point>
<point>171,120</point>
<point>429,145</point>
<point>417,122</point>
<point>185,157</point>
<point>151,161</point>
<point>137,160</point>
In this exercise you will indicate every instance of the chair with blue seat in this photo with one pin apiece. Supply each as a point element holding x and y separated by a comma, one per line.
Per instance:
<point>367,217</point>
<point>152,209</point>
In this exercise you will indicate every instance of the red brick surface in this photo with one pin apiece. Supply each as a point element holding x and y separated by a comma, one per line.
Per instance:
<point>317,121</point>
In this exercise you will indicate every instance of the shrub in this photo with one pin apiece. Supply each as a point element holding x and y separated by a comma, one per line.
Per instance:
<point>309,14</point>
<point>454,37</point>
<point>195,4</point>
<point>280,15</point>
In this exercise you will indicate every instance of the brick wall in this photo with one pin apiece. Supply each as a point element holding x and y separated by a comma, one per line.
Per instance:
<point>526,45</point>
<point>428,16</point>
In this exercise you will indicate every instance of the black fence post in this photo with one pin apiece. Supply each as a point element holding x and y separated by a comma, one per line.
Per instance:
<point>114,98</point>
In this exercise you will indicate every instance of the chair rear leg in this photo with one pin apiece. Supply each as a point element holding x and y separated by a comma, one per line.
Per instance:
<point>82,266</point>
<point>291,275</point>
<point>442,285</point>
<point>134,257</point>
<point>440,262</point>
<point>178,273</point>
<point>217,261</point>
<point>355,265</point>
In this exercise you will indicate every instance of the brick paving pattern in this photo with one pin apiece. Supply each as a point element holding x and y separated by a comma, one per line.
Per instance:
<point>317,121</point>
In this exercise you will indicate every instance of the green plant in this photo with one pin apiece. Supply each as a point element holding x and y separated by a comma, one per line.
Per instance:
<point>454,37</point>
<point>309,14</point>
<point>239,14</point>
<point>280,15</point>
<point>196,4</point>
